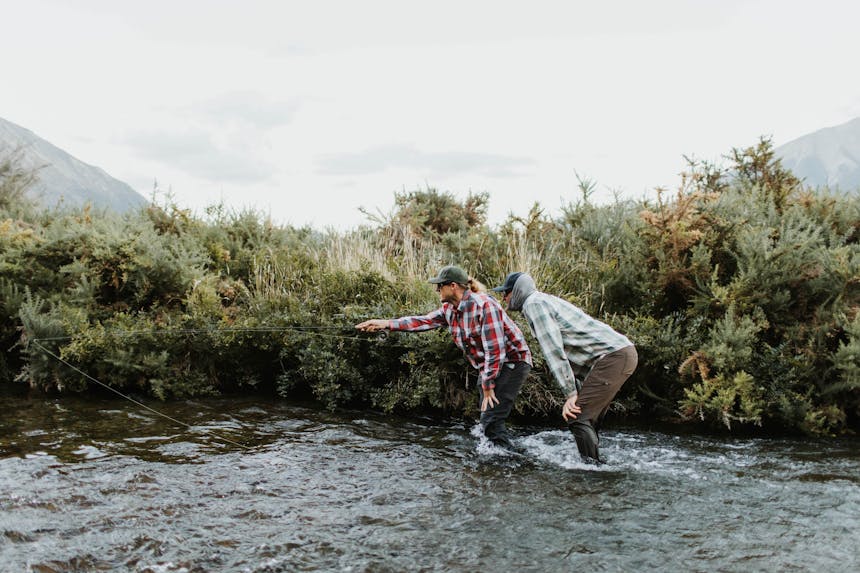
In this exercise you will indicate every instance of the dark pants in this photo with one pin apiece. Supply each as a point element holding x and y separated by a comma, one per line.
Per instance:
<point>598,389</point>
<point>508,385</point>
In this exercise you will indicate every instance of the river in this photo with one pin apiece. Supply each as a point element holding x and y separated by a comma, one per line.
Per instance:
<point>103,485</point>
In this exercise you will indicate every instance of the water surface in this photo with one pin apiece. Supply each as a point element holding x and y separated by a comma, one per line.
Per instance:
<point>97,485</point>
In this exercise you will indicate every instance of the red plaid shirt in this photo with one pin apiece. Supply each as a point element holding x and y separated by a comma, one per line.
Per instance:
<point>480,328</point>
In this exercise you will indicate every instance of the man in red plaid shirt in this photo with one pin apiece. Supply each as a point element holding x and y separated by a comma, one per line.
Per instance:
<point>493,344</point>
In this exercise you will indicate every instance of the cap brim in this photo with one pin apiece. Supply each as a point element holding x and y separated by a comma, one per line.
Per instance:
<point>436,281</point>
<point>499,289</point>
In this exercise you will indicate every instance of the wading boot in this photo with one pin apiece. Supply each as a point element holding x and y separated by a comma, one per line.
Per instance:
<point>586,441</point>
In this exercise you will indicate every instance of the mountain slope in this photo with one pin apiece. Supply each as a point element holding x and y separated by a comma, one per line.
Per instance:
<point>62,178</point>
<point>829,156</point>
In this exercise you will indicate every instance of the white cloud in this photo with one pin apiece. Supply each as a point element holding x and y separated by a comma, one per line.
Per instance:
<point>199,154</point>
<point>248,109</point>
<point>436,165</point>
<point>311,109</point>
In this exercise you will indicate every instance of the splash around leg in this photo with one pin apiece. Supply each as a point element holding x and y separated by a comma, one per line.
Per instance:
<point>586,441</point>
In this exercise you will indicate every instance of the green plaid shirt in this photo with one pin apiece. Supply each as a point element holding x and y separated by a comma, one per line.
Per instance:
<point>568,337</point>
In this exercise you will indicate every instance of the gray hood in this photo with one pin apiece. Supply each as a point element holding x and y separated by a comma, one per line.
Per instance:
<point>523,288</point>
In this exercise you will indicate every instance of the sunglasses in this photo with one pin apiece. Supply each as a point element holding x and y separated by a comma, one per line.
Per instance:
<point>440,285</point>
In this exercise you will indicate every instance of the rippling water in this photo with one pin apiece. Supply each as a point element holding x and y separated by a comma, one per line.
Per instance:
<point>103,485</point>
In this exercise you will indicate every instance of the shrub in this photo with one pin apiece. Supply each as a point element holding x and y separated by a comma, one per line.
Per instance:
<point>740,291</point>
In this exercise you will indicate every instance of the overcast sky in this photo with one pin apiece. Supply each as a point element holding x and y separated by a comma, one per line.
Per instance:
<point>309,110</point>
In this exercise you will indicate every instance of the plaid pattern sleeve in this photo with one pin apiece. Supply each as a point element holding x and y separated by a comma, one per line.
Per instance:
<point>435,319</point>
<point>548,334</point>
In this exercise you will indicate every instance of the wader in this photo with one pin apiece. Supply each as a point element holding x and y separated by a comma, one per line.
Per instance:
<point>598,389</point>
<point>508,385</point>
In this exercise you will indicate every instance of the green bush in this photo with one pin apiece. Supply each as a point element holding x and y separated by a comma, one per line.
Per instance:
<point>740,290</point>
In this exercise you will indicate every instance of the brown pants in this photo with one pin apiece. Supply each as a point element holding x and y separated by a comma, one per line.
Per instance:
<point>598,389</point>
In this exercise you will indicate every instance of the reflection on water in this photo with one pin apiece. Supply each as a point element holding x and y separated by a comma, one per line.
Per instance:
<point>101,485</point>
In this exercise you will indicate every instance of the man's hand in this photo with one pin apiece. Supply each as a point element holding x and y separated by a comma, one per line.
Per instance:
<point>372,325</point>
<point>570,409</point>
<point>489,400</point>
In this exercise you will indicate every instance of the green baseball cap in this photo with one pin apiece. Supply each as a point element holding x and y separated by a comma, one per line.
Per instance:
<point>450,274</point>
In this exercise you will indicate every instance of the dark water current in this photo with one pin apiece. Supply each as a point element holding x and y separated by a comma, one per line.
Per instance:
<point>103,485</point>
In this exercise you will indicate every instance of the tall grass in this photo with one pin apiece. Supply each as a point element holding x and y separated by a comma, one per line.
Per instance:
<point>740,290</point>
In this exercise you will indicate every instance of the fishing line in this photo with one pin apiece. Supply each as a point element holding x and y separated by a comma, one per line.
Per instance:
<point>309,329</point>
<point>316,330</point>
<point>130,399</point>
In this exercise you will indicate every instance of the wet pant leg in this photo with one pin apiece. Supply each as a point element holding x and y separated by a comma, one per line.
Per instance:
<point>586,438</point>
<point>598,389</point>
<point>508,385</point>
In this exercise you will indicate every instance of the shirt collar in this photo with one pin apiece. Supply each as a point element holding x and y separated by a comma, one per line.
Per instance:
<point>466,302</point>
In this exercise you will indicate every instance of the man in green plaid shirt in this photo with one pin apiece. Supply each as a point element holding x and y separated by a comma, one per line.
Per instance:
<point>576,347</point>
